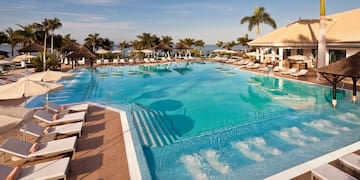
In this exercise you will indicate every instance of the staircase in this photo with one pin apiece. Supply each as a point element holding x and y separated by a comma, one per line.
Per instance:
<point>153,128</point>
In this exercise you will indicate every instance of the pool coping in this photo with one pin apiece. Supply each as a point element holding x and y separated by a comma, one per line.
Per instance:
<point>130,148</point>
<point>314,163</point>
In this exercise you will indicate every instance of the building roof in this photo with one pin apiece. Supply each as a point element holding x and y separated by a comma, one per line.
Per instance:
<point>340,28</point>
<point>348,67</point>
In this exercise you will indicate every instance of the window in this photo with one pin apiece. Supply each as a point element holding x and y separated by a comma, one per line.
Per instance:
<point>300,51</point>
<point>335,55</point>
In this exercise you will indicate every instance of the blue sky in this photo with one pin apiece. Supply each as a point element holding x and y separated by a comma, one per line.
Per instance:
<point>120,20</point>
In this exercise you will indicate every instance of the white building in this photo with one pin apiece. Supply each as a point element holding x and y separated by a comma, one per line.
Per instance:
<point>301,37</point>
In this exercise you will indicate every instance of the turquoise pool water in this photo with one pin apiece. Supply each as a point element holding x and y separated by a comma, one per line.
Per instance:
<point>211,121</point>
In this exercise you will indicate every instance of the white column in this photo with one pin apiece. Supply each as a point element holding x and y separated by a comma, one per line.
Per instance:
<point>281,58</point>
<point>258,52</point>
<point>262,55</point>
<point>327,57</point>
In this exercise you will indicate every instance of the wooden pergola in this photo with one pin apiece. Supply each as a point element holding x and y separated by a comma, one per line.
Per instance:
<point>337,71</point>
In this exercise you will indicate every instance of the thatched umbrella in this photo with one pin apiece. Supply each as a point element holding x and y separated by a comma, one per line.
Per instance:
<point>182,46</point>
<point>162,47</point>
<point>82,52</point>
<point>70,47</point>
<point>348,67</point>
<point>33,47</point>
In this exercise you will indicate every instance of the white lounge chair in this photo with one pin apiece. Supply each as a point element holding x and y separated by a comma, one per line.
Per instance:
<point>291,71</point>
<point>66,129</point>
<point>152,60</point>
<point>67,108</point>
<point>302,72</point>
<point>255,66</point>
<point>276,69</point>
<point>329,172</point>
<point>99,61</point>
<point>20,149</point>
<point>55,169</point>
<point>106,61</point>
<point>51,119</point>
<point>115,61</point>
<point>122,61</point>
<point>351,161</point>
<point>146,60</point>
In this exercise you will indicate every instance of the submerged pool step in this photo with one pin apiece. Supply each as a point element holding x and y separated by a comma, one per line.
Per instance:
<point>153,130</point>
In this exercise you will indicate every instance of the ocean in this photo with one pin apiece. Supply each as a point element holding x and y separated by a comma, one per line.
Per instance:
<point>206,49</point>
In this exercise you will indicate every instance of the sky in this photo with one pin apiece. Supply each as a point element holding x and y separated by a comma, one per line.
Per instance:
<point>120,20</point>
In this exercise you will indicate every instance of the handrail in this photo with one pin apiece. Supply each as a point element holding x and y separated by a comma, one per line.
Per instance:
<point>134,105</point>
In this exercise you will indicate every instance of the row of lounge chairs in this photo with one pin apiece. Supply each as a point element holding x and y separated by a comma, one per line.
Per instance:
<point>133,61</point>
<point>327,171</point>
<point>66,121</point>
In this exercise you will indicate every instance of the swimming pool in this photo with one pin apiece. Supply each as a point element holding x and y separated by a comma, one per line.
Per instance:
<point>211,121</point>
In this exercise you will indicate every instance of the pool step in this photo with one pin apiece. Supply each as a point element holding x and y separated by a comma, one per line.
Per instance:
<point>153,129</point>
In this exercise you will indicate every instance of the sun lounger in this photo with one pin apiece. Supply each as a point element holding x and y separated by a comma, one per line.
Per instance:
<point>20,149</point>
<point>67,108</point>
<point>66,129</point>
<point>351,161</point>
<point>302,72</point>
<point>276,69</point>
<point>106,61</point>
<point>51,119</point>
<point>146,60</point>
<point>291,71</point>
<point>55,169</point>
<point>330,172</point>
<point>255,66</point>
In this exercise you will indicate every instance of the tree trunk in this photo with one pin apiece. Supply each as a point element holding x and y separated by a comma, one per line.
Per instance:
<point>258,29</point>
<point>52,41</point>
<point>44,55</point>
<point>322,37</point>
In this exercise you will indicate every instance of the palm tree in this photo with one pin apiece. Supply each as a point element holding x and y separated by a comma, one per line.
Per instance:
<point>243,41</point>
<point>93,41</point>
<point>123,45</point>
<point>147,40</point>
<point>199,43</point>
<point>106,43</point>
<point>3,37</point>
<point>44,27</point>
<point>12,39</point>
<point>53,24</point>
<point>259,16</point>
<point>220,44</point>
<point>167,40</point>
<point>67,40</point>
<point>230,45</point>
<point>26,34</point>
<point>187,41</point>
<point>322,39</point>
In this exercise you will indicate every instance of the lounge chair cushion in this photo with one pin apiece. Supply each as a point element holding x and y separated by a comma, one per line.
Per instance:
<point>66,118</point>
<point>330,172</point>
<point>76,107</point>
<point>55,169</point>
<point>351,161</point>
<point>19,148</point>
<point>66,129</point>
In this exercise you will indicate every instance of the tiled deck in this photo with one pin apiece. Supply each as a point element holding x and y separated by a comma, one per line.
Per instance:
<point>100,152</point>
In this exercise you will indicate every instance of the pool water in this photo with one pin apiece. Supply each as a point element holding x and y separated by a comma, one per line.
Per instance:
<point>212,121</point>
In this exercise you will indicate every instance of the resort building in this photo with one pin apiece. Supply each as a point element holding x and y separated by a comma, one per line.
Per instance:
<point>301,38</point>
